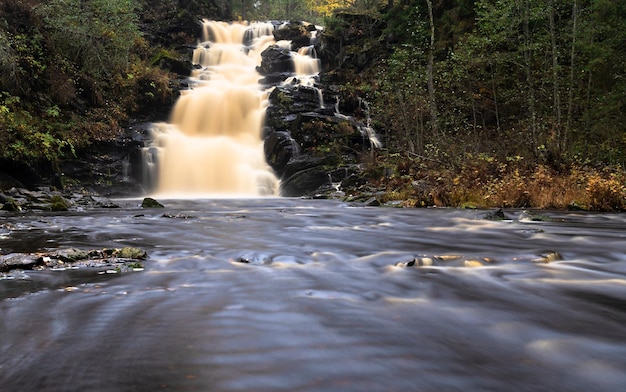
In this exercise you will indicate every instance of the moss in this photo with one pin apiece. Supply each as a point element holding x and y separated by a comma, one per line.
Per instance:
<point>149,202</point>
<point>11,205</point>
<point>131,253</point>
<point>58,203</point>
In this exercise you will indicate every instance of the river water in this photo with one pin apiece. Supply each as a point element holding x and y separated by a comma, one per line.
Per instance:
<point>313,295</point>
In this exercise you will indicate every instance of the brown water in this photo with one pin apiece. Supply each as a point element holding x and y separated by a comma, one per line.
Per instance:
<point>321,304</point>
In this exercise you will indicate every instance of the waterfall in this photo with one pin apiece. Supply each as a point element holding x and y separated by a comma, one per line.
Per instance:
<point>366,129</point>
<point>212,144</point>
<point>307,68</point>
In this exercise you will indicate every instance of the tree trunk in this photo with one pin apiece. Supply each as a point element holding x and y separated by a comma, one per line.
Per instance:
<point>495,97</point>
<point>556,95</point>
<point>572,58</point>
<point>429,71</point>
<point>527,51</point>
<point>405,122</point>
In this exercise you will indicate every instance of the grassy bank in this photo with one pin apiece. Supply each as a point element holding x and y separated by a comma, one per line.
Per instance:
<point>485,182</point>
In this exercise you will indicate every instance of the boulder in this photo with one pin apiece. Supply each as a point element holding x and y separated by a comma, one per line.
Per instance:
<point>149,202</point>
<point>276,60</point>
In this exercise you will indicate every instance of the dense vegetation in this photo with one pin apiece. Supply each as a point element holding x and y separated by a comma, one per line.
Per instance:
<point>73,71</point>
<point>499,103</point>
<point>478,102</point>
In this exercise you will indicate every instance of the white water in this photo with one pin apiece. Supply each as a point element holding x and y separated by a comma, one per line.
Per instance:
<point>212,145</point>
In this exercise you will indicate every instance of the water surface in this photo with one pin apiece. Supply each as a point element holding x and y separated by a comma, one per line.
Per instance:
<point>313,295</point>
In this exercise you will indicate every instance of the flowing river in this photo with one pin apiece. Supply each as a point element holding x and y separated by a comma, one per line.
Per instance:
<point>278,294</point>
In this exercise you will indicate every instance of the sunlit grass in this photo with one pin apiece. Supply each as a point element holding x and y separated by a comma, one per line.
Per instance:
<point>484,182</point>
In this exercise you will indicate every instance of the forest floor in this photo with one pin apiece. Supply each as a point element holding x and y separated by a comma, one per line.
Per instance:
<point>484,182</point>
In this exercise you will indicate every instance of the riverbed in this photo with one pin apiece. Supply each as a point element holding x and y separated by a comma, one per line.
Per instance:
<point>280,294</point>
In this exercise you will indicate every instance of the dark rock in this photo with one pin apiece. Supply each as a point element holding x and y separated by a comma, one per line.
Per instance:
<point>372,202</point>
<point>70,255</point>
<point>119,259</point>
<point>496,215</point>
<point>8,182</point>
<point>280,148</point>
<point>179,216</point>
<point>304,182</point>
<point>257,259</point>
<point>291,31</point>
<point>18,261</point>
<point>59,203</point>
<point>275,60</point>
<point>182,67</point>
<point>149,202</point>
<point>11,205</point>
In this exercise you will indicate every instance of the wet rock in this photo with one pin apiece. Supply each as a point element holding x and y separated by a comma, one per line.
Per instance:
<point>103,202</point>
<point>118,259</point>
<point>276,60</point>
<point>548,257</point>
<point>46,199</point>
<point>254,259</point>
<point>179,216</point>
<point>531,216</point>
<point>18,261</point>
<point>472,263</point>
<point>59,203</point>
<point>70,255</point>
<point>417,262</point>
<point>372,202</point>
<point>280,148</point>
<point>131,253</point>
<point>296,32</point>
<point>305,182</point>
<point>149,202</point>
<point>496,215</point>
<point>11,205</point>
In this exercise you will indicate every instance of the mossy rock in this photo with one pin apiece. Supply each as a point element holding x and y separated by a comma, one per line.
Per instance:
<point>58,203</point>
<point>149,202</point>
<point>131,253</point>
<point>11,205</point>
<point>71,255</point>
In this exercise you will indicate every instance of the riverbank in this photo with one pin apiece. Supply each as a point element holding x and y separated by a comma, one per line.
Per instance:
<point>412,182</point>
<point>482,182</point>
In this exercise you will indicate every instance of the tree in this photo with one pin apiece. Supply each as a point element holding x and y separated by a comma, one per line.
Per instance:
<point>8,62</point>
<point>429,70</point>
<point>98,35</point>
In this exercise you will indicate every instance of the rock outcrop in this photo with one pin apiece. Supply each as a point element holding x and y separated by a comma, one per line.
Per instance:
<point>315,135</point>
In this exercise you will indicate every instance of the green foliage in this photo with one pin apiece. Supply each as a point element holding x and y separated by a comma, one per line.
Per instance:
<point>8,61</point>
<point>98,35</point>
<point>537,78</point>
<point>26,138</point>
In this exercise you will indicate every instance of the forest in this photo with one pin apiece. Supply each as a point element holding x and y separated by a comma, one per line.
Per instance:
<point>478,103</point>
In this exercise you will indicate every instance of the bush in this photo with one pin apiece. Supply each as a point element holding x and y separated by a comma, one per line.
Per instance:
<point>97,35</point>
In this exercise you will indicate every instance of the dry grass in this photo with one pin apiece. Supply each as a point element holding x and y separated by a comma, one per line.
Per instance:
<point>484,182</point>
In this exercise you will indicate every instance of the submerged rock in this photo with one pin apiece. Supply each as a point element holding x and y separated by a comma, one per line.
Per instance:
<point>496,215</point>
<point>548,257</point>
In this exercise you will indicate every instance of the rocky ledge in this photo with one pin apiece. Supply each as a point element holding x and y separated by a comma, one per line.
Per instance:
<point>108,260</point>
<point>49,199</point>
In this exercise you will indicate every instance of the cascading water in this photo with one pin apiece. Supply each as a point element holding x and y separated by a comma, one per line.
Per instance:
<point>307,68</point>
<point>212,144</point>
